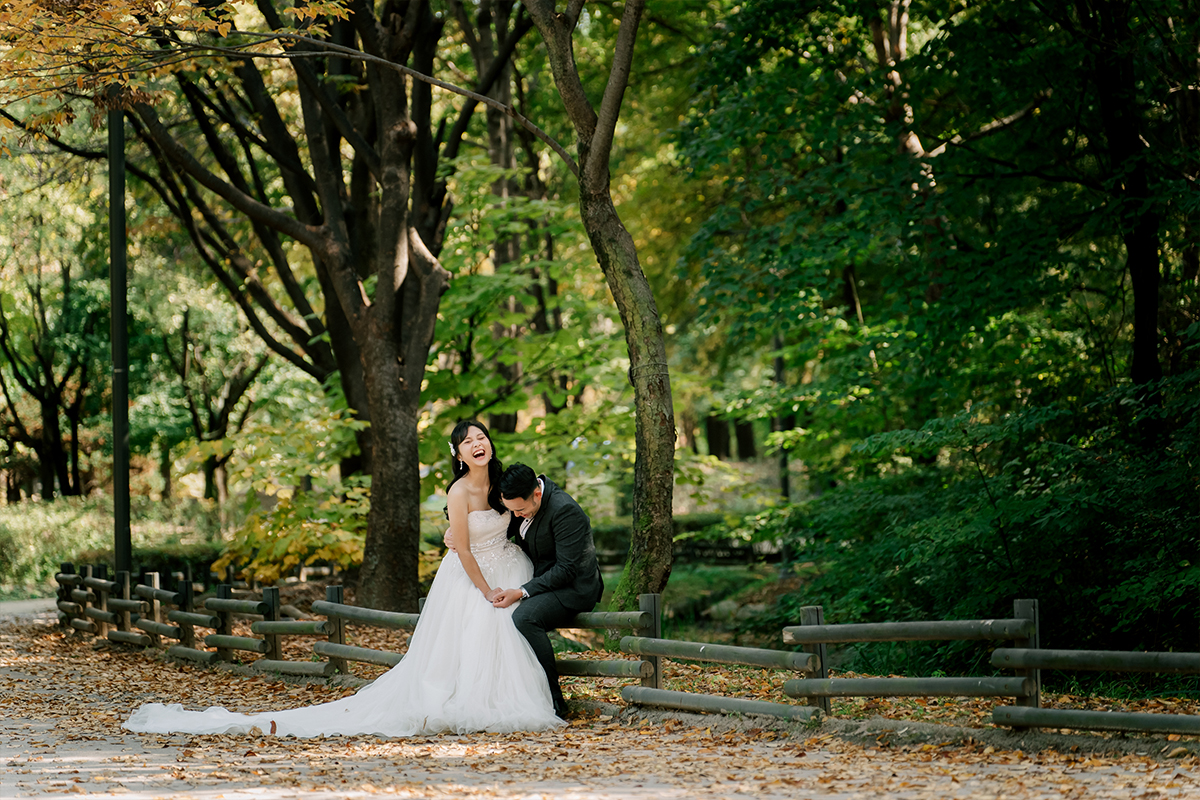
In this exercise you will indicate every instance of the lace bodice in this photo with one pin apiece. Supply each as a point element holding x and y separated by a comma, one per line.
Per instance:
<point>488,528</point>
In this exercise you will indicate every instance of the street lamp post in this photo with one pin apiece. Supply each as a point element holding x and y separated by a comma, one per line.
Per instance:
<point>122,546</point>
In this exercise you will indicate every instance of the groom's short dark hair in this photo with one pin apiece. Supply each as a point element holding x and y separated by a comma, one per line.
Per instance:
<point>518,481</point>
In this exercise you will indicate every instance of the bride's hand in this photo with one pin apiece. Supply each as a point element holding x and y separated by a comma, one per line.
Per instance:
<point>506,598</point>
<point>491,594</point>
<point>448,540</point>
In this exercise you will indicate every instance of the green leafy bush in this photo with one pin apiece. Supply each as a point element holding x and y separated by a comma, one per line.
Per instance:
<point>37,537</point>
<point>301,528</point>
<point>1094,513</point>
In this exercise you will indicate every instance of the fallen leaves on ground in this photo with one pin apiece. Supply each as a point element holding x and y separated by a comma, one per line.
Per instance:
<point>62,693</point>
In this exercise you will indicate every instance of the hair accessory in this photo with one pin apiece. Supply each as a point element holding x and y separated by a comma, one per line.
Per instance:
<point>453,452</point>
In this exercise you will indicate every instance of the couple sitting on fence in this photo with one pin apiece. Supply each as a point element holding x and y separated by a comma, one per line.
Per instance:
<point>473,663</point>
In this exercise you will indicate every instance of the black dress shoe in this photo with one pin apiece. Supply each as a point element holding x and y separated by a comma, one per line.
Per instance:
<point>560,708</point>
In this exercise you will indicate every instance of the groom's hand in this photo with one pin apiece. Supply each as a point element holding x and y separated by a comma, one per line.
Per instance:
<point>448,540</point>
<point>506,598</point>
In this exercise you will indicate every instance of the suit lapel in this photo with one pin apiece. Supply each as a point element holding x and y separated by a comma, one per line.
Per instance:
<point>539,526</point>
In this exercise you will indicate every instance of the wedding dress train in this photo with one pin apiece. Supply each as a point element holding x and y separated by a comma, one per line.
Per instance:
<point>467,668</point>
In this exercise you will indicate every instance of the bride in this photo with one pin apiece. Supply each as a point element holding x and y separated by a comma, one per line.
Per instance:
<point>467,668</point>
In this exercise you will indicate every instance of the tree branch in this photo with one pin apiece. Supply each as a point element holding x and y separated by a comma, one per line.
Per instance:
<point>991,127</point>
<point>242,202</point>
<point>614,90</point>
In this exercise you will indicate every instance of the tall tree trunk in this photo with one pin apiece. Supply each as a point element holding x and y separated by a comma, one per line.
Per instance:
<point>1116,84</point>
<point>650,553</point>
<point>744,432</point>
<point>387,578</point>
<point>782,423</point>
<point>651,550</point>
<point>54,450</point>
<point>164,470</point>
<point>716,432</point>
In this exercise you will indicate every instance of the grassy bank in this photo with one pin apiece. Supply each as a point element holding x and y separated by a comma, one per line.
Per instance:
<point>36,537</point>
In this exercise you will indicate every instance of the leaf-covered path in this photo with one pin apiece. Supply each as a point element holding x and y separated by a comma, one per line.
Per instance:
<point>62,702</point>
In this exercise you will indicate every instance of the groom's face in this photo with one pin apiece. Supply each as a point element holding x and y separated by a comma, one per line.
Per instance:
<point>525,507</point>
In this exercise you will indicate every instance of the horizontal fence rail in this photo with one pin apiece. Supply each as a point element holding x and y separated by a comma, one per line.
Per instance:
<point>720,654</point>
<point>938,630</point>
<point>605,669</point>
<point>310,669</point>
<point>714,704</point>
<point>352,653</point>
<point>602,620</point>
<point>1017,717</point>
<point>229,642</point>
<point>1097,660</point>
<point>192,654</point>
<point>236,606</point>
<point>158,628</point>
<point>369,616</point>
<point>909,687</point>
<point>289,627</point>
<point>161,595</point>
<point>192,618</point>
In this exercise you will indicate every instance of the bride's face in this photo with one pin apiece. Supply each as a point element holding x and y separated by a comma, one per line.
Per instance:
<point>475,449</point>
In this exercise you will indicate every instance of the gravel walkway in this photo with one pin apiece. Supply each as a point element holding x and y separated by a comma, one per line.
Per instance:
<point>62,698</point>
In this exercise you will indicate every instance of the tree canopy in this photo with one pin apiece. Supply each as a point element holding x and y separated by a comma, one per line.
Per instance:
<point>935,265</point>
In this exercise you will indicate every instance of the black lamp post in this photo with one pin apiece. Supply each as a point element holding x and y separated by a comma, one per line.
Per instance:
<point>122,546</point>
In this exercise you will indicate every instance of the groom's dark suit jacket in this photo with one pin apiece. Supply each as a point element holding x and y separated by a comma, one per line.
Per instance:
<point>559,543</point>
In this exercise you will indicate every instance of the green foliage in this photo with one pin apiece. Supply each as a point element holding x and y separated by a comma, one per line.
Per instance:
<point>300,508</point>
<point>694,588</point>
<point>53,323</point>
<point>614,533</point>
<point>302,528</point>
<point>37,537</point>
<point>1069,507</point>
<point>489,359</point>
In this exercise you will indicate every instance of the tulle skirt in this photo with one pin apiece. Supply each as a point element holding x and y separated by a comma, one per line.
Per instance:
<point>467,669</point>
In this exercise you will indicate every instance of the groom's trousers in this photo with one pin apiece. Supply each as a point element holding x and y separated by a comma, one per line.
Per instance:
<point>535,617</point>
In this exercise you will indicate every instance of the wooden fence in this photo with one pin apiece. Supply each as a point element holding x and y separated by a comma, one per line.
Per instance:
<point>147,615</point>
<point>134,614</point>
<point>1025,658</point>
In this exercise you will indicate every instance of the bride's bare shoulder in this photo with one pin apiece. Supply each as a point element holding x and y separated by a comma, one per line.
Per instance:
<point>467,497</point>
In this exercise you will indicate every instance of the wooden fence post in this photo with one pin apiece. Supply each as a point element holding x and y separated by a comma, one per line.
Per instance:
<point>1028,609</point>
<point>64,594</point>
<point>124,618</point>
<point>101,571</point>
<point>225,620</point>
<point>652,604</point>
<point>270,598</point>
<point>815,615</point>
<point>155,608</point>
<point>335,628</point>
<point>187,633</point>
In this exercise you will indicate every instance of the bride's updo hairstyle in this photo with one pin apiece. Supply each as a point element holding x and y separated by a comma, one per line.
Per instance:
<point>459,469</point>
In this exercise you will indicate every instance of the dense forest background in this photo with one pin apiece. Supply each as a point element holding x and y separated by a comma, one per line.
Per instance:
<point>928,275</point>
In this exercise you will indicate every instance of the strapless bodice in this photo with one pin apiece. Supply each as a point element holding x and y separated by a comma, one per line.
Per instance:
<point>488,529</point>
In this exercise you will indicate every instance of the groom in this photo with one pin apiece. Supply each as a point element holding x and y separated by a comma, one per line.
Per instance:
<point>556,535</point>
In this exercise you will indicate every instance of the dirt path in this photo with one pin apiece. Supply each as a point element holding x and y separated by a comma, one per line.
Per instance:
<point>62,701</point>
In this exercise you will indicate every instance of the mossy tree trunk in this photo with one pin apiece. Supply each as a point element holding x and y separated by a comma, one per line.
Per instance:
<point>650,552</point>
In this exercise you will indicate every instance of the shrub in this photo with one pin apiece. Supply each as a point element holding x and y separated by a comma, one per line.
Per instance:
<point>37,537</point>
<point>1095,513</point>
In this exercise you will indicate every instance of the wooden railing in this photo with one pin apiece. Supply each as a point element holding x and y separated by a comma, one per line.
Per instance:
<point>148,615</point>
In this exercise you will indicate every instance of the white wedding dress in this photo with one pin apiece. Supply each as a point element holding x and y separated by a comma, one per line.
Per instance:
<point>467,668</point>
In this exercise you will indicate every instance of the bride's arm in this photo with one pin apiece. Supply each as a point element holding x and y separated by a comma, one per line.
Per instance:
<point>456,506</point>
